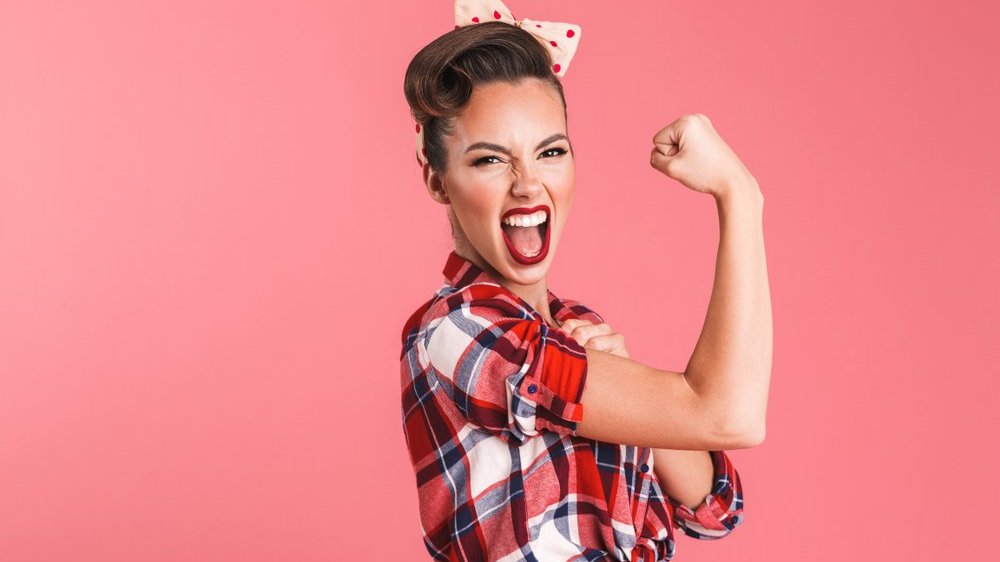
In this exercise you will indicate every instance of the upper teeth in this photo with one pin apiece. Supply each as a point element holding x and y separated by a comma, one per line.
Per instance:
<point>533,219</point>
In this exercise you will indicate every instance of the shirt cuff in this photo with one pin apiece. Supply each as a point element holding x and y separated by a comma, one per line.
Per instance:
<point>556,382</point>
<point>722,509</point>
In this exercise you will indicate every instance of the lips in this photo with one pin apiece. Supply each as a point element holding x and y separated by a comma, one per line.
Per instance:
<point>527,211</point>
<point>544,230</point>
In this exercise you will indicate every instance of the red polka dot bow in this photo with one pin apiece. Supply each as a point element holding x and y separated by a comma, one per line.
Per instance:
<point>559,38</point>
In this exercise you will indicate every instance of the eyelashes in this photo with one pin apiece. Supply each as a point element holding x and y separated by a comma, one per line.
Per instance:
<point>486,160</point>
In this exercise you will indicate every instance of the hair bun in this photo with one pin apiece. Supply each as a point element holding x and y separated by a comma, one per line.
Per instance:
<point>441,77</point>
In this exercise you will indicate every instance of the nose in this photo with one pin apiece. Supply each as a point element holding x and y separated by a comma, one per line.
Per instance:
<point>527,184</point>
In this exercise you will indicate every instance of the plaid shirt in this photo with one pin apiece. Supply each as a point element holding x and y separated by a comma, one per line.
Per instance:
<point>490,404</point>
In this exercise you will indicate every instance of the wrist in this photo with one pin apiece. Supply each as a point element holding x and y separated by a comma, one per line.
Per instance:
<point>740,191</point>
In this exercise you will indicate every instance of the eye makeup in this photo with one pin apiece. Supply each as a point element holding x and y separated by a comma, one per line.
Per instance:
<point>559,151</point>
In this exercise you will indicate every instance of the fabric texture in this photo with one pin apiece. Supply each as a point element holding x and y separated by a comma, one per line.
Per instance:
<point>490,406</point>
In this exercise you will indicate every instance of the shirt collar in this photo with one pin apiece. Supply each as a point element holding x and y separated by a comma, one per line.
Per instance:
<point>460,272</point>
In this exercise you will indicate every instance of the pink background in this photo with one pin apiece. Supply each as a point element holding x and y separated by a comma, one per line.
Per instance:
<point>212,229</point>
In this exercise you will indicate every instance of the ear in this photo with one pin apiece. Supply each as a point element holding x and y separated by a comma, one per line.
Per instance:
<point>435,185</point>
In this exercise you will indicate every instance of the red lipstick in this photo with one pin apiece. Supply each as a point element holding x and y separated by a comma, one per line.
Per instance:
<point>546,226</point>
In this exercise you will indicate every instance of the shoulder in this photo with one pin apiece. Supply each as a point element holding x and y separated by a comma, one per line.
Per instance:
<point>477,307</point>
<point>483,303</point>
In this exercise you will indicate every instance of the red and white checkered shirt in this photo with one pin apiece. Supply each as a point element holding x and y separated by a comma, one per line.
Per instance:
<point>490,405</point>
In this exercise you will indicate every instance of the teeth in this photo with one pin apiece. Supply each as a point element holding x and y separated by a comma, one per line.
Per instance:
<point>533,219</point>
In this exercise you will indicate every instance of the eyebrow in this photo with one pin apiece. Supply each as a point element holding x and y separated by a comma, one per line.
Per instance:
<point>505,150</point>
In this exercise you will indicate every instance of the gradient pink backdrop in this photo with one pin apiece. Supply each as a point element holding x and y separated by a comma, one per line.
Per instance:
<point>212,228</point>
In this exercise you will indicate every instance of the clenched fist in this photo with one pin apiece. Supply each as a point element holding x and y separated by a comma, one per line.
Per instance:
<point>691,152</point>
<point>595,336</point>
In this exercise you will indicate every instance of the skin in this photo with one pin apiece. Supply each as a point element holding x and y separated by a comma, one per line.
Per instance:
<point>517,117</point>
<point>685,476</point>
<point>482,183</point>
<point>721,398</point>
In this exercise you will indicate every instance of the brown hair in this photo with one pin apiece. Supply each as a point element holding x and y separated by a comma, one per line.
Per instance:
<point>442,75</point>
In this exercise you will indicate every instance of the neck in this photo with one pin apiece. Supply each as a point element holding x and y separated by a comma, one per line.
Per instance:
<point>535,294</point>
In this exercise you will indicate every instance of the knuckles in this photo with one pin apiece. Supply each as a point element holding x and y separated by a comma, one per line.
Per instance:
<point>685,121</point>
<point>697,117</point>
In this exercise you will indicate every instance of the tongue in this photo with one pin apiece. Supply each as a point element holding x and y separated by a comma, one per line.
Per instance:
<point>527,239</point>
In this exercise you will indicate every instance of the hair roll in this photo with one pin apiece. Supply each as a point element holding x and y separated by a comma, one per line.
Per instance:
<point>441,77</point>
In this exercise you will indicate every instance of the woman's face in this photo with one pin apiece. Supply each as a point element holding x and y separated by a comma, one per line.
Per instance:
<point>509,152</point>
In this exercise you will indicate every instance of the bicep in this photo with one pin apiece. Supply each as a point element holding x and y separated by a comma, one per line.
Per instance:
<point>628,402</point>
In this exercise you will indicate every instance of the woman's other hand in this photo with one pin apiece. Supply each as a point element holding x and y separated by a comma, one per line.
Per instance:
<point>690,151</point>
<point>595,336</point>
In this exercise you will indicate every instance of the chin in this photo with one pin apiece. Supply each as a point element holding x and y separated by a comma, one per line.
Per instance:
<point>525,274</point>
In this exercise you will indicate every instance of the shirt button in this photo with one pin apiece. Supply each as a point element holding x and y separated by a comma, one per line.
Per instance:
<point>532,388</point>
<point>644,467</point>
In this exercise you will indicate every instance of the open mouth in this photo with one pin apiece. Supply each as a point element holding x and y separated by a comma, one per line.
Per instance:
<point>526,233</point>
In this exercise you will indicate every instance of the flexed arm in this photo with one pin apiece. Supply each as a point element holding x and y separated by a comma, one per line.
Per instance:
<point>720,400</point>
<point>702,487</point>
<point>732,361</point>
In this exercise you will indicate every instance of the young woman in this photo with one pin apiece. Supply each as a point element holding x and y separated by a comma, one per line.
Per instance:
<point>533,435</point>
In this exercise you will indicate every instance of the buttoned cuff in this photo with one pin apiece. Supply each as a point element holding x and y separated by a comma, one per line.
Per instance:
<point>550,392</point>
<point>722,509</point>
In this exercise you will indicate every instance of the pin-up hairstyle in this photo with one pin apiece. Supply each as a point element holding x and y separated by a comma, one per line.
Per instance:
<point>441,77</point>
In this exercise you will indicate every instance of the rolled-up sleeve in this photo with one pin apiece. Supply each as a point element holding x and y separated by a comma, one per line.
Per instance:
<point>721,511</point>
<point>504,369</point>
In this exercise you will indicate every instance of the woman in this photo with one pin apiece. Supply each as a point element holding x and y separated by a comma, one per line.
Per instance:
<point>533,435</point>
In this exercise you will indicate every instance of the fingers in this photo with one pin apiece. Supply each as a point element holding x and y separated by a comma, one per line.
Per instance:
<point>692,152</point>
<point>665,164</point>
<point>610,343</point>
<point>569,325</point>
<point>665,150</point>
<point>595,336</point>
<point>669,141</point>
<point>663,155</point>
<point>671,134</point>
<point>582,331</point>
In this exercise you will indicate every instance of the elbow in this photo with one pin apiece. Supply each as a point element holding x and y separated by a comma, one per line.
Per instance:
<point>740,435</point>
<point>735,417</point>
<point>753,436</point>
<point>738,424</point>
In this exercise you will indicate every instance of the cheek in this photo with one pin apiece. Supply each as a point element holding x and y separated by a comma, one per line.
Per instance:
<point>562,184</point>
<point>476,208</point>
<point>480,204</point>
<point>561,174</point>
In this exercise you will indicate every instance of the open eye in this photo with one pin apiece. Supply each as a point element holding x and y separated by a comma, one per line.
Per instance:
<point>485,160</point>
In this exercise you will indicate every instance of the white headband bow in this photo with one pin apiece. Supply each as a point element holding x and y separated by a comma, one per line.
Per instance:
<point>559,38</point>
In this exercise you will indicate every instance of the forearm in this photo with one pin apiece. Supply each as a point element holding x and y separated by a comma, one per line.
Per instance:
<point>730,367</point>
<point>686,476</point>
